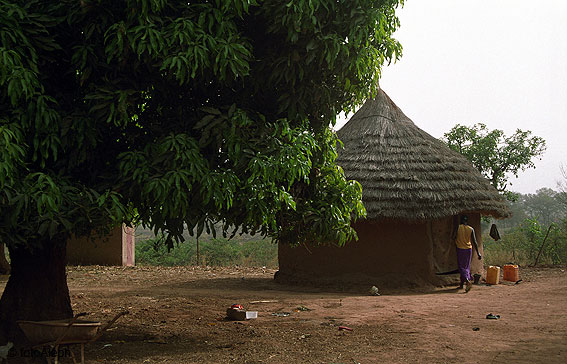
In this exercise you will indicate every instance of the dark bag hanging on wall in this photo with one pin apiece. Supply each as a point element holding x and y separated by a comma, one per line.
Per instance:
<point>494,234</point>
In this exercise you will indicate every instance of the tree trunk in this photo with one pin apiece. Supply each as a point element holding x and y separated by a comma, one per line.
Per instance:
<point>4,265</point>
<point>542,245</point>
<point>36,290</point>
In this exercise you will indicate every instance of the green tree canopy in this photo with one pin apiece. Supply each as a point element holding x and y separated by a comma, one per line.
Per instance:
<point>494,154</point>
<point>176,114</point>
<point>182,113</point>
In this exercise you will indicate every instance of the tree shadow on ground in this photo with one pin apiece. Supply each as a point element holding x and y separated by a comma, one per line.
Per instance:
<point>268,286</point>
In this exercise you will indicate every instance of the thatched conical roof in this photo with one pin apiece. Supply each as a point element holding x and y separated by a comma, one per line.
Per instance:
<point>406,173</point>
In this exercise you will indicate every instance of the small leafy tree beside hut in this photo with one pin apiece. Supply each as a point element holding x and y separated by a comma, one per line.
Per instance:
<point>494,154</point>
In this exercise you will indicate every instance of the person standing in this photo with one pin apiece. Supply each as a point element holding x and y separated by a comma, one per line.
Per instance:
<point>465,239</point>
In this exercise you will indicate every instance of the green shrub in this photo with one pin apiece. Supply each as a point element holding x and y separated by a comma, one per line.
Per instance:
<point>522,245</point>
<point>507,250</point>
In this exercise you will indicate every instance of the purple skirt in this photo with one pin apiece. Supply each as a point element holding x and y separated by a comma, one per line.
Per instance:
<point>464,262</point>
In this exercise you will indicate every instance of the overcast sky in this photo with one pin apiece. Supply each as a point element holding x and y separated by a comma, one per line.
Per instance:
<point>502,63</point>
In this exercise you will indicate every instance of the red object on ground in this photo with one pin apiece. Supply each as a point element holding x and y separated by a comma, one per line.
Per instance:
<point>344,328</point>
<point>238,307</point>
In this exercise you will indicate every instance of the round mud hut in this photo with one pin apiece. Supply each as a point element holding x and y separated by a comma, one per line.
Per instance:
<point>414,189</point>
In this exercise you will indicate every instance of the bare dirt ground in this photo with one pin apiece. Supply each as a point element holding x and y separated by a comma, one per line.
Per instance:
<point>177,315</point>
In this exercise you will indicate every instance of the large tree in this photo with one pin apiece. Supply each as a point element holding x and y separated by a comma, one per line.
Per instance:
<point>173,114</point>
<point>494,154</point>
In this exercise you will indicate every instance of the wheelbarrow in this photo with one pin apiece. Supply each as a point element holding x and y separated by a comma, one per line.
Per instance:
<point>65,332</point>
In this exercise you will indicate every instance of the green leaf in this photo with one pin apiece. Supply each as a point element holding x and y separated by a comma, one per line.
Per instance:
<point>204,121</point>
<point>211,110</point>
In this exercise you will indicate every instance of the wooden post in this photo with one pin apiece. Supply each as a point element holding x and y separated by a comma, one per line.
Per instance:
<point>198,255</point>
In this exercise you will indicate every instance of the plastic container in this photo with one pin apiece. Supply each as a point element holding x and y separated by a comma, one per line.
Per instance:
<point>251,315</point>
<point>511,273</point>
<point>493,274</point>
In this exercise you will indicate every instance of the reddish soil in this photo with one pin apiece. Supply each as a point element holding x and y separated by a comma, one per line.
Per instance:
<point>177,315</point>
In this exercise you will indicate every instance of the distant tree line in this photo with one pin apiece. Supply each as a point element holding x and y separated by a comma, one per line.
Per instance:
<point>547,206</point>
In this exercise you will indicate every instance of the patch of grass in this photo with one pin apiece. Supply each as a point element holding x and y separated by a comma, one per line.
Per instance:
<point>212,252</point>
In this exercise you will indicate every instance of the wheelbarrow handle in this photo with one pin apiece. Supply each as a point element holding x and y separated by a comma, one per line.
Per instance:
<point>101,331</point>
